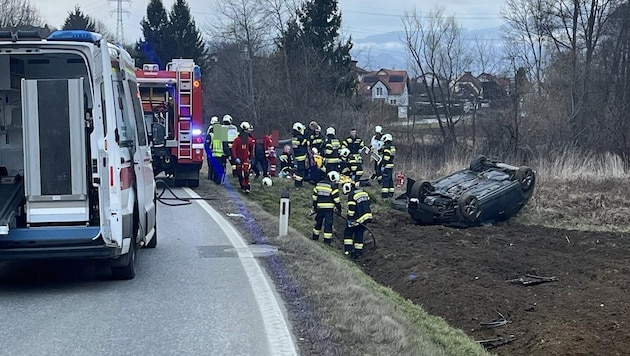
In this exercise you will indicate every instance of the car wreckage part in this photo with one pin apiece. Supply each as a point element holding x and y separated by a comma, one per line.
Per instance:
<point>468,207</point>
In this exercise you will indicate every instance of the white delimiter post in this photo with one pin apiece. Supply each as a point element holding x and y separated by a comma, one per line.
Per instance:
<point>284,213</point>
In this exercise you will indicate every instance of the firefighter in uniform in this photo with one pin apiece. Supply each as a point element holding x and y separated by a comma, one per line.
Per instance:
<point>287,163</point>
<point>315,144</point>
<point>331,151</point>
<point>213,168</point>
<point>355,144</point>
<point>387,167</point>
<point>351,166</point>
<point>242,155</point>
<point>325,201</point>
<point>299,144</point>
<point>358,214</point>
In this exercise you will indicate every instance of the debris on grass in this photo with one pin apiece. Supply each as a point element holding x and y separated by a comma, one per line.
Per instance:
<point>531,280</point>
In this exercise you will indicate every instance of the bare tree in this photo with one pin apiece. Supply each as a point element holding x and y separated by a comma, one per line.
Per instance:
<point>525,32</point>
<point>439,56</point>
<point>16,14</point>
<point>243,24</point>
<point>485,58</point>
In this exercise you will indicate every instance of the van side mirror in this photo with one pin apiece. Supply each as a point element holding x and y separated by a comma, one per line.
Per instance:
<point>158,135</point>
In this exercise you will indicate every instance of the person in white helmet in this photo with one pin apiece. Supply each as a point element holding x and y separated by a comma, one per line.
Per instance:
<point>325,201</point>
<point>207,145</point>
<point>242,154</point>
<point>332,145</point>
<point>387,167</point>
<point>232,132</point>
<point>375,149</point>
<point>357,216</point>
<point>355,144</point>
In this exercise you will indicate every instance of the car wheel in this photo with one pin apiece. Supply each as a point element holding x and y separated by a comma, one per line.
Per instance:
<point>421,189</point>
<point>526,178</point>
<point>468,207</point>
<point>478,163</point>
<point>128,269</point>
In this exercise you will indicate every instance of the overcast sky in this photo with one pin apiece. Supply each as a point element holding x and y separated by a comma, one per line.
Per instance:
<point>360,18</point>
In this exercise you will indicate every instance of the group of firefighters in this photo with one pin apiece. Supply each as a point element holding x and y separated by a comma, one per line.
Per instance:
<point>323,160</point>
<point>240,148</point>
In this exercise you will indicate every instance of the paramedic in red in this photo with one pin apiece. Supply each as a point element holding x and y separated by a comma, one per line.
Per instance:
<point>242,154</point>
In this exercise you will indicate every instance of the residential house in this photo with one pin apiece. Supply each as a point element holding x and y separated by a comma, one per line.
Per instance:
<point>388,85</point>
<point>467,88</point>
<point>494,88</point>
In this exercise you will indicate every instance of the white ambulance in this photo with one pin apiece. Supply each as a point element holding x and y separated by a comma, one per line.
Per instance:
<point>76,179</point>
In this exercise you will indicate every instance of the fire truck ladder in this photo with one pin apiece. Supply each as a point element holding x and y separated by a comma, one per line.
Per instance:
<point>184,107</point>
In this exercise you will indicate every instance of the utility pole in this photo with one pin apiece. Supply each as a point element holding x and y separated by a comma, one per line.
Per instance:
<point>120,33</point>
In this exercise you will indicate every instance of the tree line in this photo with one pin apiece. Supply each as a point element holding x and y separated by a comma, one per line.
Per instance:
<point>274,62</point>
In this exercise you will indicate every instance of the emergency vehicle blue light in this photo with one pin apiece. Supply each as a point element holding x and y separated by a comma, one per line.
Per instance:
<point>74,35</point>
<point>197,72</point>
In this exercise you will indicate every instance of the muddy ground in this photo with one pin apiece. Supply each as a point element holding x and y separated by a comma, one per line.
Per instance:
<point>466,276</point>
<point>469,276</point>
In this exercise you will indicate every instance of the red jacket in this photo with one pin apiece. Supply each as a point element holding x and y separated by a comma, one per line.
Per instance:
<point>243,147</point>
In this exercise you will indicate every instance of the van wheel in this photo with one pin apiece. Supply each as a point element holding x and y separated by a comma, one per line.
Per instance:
<point>128,268</point>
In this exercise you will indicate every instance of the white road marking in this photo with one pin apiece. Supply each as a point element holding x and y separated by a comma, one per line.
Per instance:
<point>276,328</point>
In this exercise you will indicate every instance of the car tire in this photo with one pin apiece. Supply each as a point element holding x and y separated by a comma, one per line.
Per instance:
<point>468,207</point>
<point>527,179</point>
<point>478,163</point>
<point>421,189</point>
<point>128,269</point>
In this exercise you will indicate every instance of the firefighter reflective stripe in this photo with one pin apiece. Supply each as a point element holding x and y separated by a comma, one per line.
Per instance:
<point>300,145</point>
<point>348,242</point>
<point>325,195</point>
<point>359,206</point>
<point>331,151</point>
<point>388,156</point>
<point>358,246</point>
<point>355,145</point>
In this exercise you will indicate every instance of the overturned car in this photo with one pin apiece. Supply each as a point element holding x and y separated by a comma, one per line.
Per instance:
<point>486,192</point>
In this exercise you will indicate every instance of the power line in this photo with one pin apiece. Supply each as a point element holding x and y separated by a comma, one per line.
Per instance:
<point>120,33</point>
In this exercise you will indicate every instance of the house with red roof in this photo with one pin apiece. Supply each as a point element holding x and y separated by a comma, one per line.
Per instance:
<point>388,85</point>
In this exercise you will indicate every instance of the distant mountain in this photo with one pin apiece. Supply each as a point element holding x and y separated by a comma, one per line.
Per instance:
<point>387,50</point>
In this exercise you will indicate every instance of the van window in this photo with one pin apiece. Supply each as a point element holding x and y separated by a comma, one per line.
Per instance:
<point>103,108</point>
<point>125,135</point>
<point>138,115</point>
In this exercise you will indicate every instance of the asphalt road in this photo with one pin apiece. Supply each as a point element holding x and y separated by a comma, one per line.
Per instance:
<point>200,292</point>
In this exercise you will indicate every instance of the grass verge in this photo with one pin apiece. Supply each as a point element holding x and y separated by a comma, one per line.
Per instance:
<point>335,308</point>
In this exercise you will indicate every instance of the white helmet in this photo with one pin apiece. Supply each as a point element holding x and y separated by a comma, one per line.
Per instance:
<point>214,120</point>
<point>330,131</point>
<point>378,129</point>
<point>344,152</point>
<point>387,137</point>
<point>314,150</point>
<point>245,126</point>
<point>267,182</point>
<point>299,127</point>
<point>333,176</point>
<point>347,187</point>
<point>227,119</point>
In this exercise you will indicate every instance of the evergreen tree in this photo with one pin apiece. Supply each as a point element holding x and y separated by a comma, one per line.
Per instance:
<point>186,39</point>
<point>314,37</point>
<point>77,20</point>
<point>155,48</point>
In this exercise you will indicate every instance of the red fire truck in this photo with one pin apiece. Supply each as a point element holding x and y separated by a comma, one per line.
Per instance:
<point>172,106</point>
